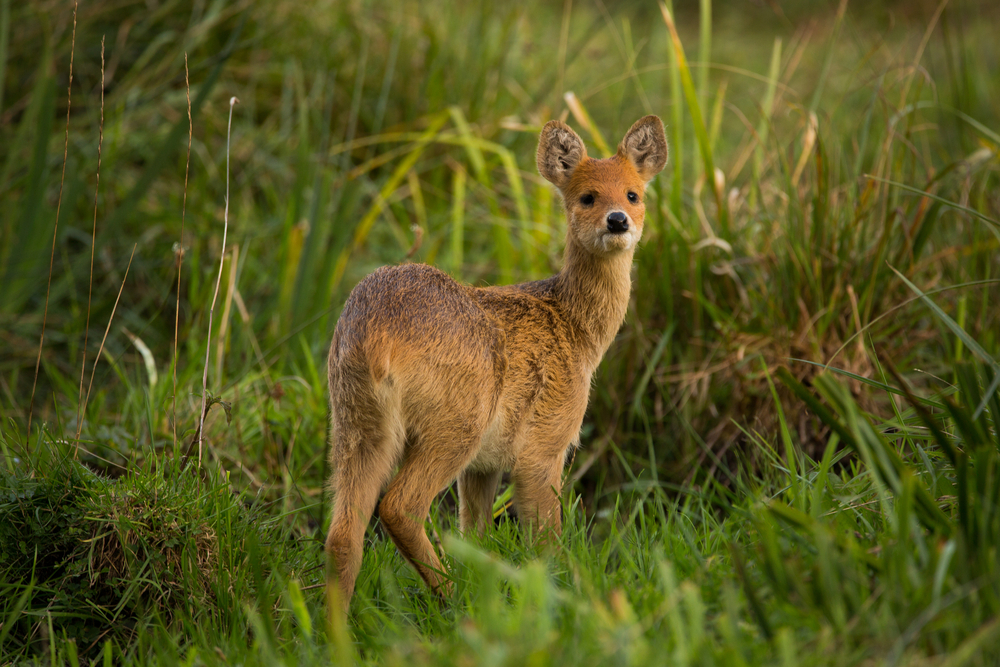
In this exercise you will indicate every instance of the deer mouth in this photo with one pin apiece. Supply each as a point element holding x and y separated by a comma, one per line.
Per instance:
<point>617,241</point>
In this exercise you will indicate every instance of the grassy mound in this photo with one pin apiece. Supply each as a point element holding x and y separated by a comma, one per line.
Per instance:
<point>93,559</point>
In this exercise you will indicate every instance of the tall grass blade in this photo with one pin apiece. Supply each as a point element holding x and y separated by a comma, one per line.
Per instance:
<point>821,205</point>
<point>704,52</point>
<point>15,612</point>
<point>457,219</point>
<point>211,309</point>
<point>966,339</point>
<point>834,45</point>
<point>27,236</point>
<point>866,128</point>
<point>861,437</point>
<point>993,222</point>
<point>532,261</point>
<point>298,604</point>
<point>923,232</point>
<point>390,71</point>
<point>677,128</point>
<point>764,126</point>
<point>700,130</point>
<point>986,131</point>
<point>717,109</point>
<point>810,134</point>
<point>295,110</point>
<point>474,149</point>
<point>791,458</point>
<point>469,143</point>
<point>4,26</point>
<point>393,182</point>
<point>882,386</point>
<point>583,118</point>
<point>312,252</point>
<point>179,252</point>
<point>341,647</point>
<point>651,366</point>
<point>81,402</point>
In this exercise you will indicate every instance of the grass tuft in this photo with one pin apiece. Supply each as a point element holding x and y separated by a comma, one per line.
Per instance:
<point>105,560</point>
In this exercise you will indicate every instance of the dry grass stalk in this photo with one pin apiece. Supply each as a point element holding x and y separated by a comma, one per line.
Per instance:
<point>180,247</point>
<point>55,230</point>
<point>218,281</point>
<point>81,401</point>
<point>97,359</point>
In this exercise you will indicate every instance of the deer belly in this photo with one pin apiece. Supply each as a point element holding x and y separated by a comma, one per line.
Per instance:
<point>496,450</point>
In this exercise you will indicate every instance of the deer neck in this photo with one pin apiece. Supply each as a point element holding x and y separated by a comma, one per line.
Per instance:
<point>594,290</point>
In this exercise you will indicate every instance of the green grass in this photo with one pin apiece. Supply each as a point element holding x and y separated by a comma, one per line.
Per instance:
<point>111,559</point>
<point>831,204</point>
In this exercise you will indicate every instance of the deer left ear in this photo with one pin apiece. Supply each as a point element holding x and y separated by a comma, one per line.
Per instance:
<point>645,146</point>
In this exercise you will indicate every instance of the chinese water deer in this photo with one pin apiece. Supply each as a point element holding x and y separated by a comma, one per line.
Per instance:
<point>443,380</point>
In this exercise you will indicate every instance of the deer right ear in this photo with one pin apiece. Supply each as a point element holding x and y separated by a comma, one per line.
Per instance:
<point>560,151</point>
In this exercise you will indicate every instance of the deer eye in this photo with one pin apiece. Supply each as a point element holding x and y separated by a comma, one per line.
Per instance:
<point>587,200</point>
<point>633,197</point>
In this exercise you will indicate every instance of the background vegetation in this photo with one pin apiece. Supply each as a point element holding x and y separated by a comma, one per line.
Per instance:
<point>831,201</point>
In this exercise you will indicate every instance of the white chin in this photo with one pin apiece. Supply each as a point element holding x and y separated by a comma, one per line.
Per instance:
<point>608,242</point>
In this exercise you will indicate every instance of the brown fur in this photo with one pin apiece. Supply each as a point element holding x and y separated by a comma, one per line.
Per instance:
<point>448,381</point>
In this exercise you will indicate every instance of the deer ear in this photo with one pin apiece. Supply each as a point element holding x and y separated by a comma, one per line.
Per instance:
<point>645,146</point>
<point>560,151</point>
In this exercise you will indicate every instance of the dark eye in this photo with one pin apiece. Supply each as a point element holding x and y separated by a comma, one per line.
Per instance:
<point>633,197</point>
<point>587,200</point>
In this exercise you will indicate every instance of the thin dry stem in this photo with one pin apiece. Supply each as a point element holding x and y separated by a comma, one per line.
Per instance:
<point>97,359</point>
<point>227,307</point>
<point>93,242</point>
<point>55,231</point>
<point>180,249</point>
<point>218,281</point>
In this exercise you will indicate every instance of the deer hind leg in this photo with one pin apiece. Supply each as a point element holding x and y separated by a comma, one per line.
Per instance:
<point>363,456</point>
<point>476,491</point>
<point>431,464</point>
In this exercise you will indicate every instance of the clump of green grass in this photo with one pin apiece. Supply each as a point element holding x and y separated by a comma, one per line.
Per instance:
<point>888,556</point>
<point>90,560</point>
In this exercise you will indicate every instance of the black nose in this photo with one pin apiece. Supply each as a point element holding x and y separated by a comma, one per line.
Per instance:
<point>617,222</point>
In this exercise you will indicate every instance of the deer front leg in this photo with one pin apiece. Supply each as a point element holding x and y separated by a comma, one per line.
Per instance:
<point>537,491</point>
<point>476,491</point>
